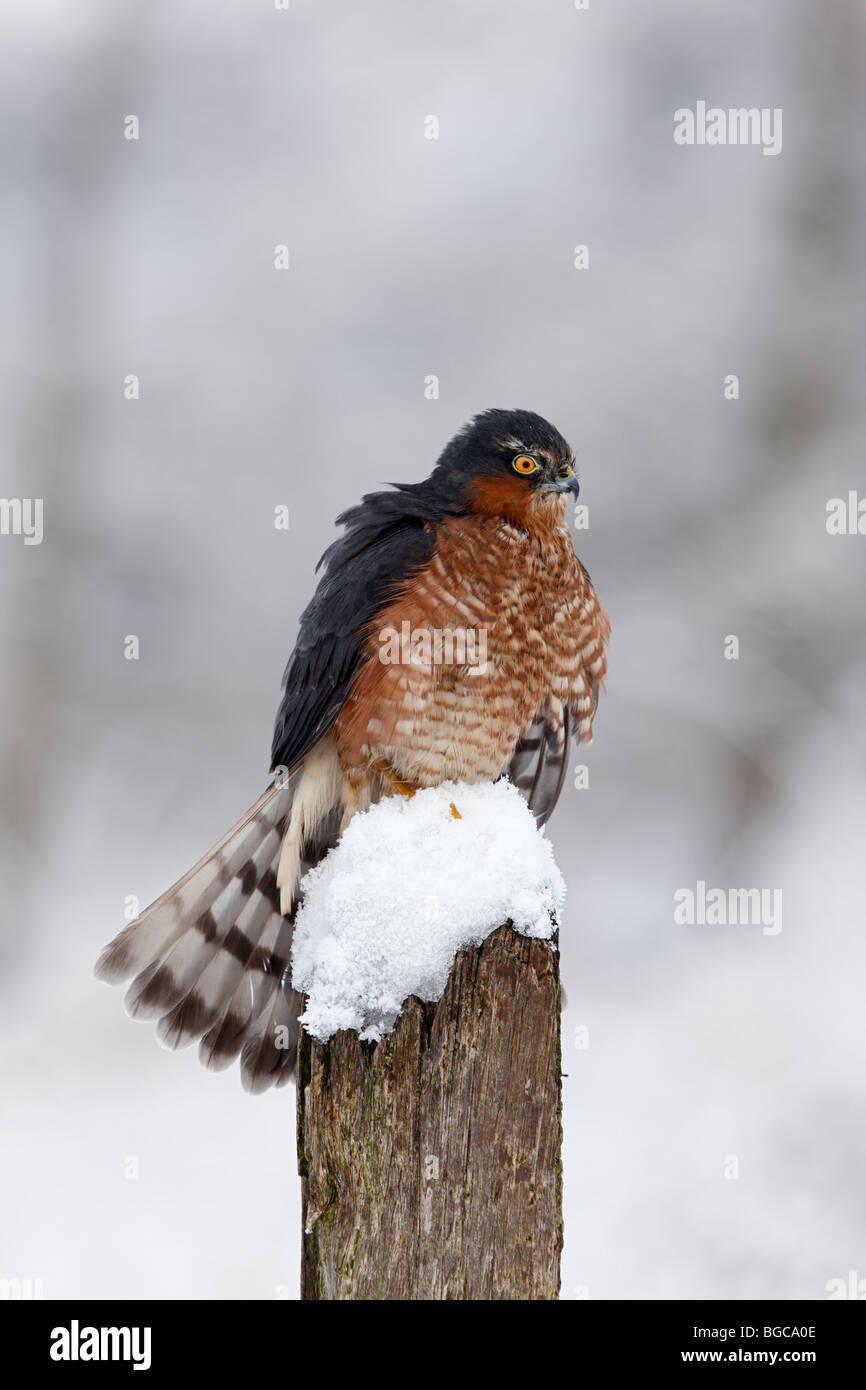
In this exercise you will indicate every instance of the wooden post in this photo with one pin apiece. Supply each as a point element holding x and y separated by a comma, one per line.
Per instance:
<point>431,1162</point>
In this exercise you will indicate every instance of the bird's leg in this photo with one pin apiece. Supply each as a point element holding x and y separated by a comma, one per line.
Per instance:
<point>403,787</point>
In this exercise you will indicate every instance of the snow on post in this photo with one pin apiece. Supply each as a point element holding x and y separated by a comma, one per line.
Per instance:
<point>429,1128</point>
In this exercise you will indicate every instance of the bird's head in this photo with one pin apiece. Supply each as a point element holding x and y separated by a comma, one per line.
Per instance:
<point>509,463</point>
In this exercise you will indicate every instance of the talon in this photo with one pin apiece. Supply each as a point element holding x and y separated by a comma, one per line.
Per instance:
<point>402,787</point>
<point>455,813</point>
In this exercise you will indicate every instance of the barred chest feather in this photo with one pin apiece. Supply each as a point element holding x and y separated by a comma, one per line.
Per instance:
<point>502,624</point>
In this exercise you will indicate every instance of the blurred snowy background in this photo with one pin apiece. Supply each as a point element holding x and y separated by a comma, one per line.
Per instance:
<point>412,257</point>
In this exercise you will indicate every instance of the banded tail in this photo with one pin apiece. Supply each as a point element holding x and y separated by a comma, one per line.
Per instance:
<point>210,959</point>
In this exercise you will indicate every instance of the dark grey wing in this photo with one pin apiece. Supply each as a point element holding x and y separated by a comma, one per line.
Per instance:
<point>540,763</point>
<point>329,649</point>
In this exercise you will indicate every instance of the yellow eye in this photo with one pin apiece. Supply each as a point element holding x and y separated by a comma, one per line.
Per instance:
<point>524,463</point>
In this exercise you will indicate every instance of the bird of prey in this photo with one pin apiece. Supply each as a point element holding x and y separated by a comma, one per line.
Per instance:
<point>481,547</point>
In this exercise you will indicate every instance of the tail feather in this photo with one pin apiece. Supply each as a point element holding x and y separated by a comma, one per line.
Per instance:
<point>155,991</point>
<point>212,991</point>
<point>268,1054</point>
<point>224,1041</point>
<point>216,935</point>
<point>210,958</point>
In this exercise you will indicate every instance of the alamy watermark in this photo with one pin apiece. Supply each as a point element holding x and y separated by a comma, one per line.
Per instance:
<point>426,647</point>
<point>846,516</point>
<point>77,1343</point>
<point>20,1290</point>
<point>739,125</point>
<point>719,907</point>
<point>22,516</point>
<point>852,1286</point>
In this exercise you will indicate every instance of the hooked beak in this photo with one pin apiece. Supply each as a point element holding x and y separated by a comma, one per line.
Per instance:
<point>565,480</point>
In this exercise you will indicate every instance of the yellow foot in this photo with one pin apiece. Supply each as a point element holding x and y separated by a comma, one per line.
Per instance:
<point>402,787</point>
<point>455,813</point>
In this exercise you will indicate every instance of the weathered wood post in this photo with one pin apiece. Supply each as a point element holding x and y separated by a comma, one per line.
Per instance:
<point>431,1162</point>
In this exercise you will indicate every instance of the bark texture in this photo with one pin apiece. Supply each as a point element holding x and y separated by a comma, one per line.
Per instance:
<point>431,1162</point>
